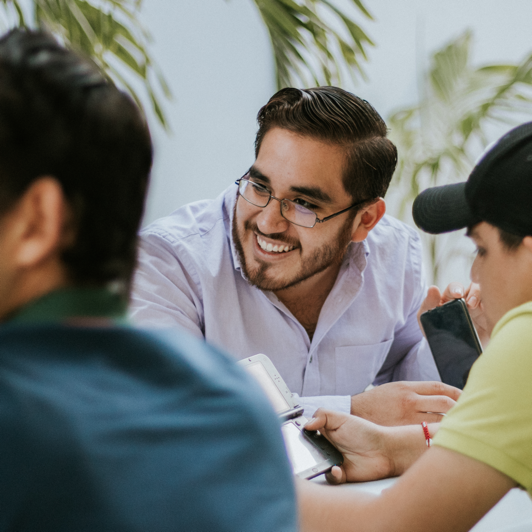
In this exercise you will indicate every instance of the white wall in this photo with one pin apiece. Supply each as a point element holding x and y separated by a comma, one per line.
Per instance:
<point>216,57</point>
<point>407,31</point>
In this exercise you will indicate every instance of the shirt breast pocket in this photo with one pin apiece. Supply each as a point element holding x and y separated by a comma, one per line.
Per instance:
<point>357,366</point>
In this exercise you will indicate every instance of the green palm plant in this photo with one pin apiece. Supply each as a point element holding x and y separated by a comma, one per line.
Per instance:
<point>314,41</point>
<point>440,138</point>
<point>106,30</point>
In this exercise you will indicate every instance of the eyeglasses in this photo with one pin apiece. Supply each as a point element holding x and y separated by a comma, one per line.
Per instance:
<point>295,213</point>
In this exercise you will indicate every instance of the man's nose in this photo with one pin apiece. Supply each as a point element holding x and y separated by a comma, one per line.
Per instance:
<point>270,220</point>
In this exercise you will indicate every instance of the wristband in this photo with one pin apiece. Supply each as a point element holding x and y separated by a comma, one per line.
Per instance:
<point>428,439</point>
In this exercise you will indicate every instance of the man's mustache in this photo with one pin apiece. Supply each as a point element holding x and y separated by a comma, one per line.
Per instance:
<point>280,237</point>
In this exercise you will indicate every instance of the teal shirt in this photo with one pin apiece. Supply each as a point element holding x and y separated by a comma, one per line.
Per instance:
<point>116,429</point>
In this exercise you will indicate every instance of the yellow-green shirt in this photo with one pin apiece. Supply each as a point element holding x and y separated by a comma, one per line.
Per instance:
<point>492,420</point>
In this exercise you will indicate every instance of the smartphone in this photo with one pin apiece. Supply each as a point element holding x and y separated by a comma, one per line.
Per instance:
<point>310,453</point>
<point>453,340</point>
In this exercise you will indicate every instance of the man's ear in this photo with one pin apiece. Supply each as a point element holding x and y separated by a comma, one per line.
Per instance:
<point>40,223</point>
<point>367,219</point>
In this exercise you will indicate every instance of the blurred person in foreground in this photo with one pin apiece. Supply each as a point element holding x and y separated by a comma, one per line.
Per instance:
<point>298,260</point>
<point>104,427</point>
<point>482,448</point>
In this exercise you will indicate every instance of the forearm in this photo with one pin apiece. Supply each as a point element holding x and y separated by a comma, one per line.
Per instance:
<point>404,445</point>
<point>323,508</point>
<point>435,495</point>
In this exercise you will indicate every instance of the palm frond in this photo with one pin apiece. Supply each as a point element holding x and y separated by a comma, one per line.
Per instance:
<point>109,32</point>
<point>439,138</point>
<point>314,42</point>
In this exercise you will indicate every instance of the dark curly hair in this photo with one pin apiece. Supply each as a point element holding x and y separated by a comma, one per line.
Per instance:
<point>338,117</point>
<point>61,117</point>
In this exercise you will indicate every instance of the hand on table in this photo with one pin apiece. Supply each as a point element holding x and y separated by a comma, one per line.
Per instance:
<point>361,443</point>
<point>405,403</point>
<point>370,452</point>
<point>472,298</point>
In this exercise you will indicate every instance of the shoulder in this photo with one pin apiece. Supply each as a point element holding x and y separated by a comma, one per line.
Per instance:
<point>491,420</point>
<point>507,358</point>
<point>500,377</point>
<point>514,324</point>
<point>226,411</point>
<point>390,230</point>
<point>215,383</point>
<point>194,220</point>
<point>201,408</point>
<point>195,238</point>
<point>197,369</point>
<point>43,359</point>
<point>394,242</point>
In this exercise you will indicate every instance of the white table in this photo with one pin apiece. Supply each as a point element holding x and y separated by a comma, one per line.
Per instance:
<point>512,514</point>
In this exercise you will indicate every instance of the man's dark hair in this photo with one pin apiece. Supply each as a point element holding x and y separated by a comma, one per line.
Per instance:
<point>335,116</point>
<point>61,117</point>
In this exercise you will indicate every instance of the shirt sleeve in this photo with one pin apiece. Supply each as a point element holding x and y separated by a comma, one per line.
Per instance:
<point>165,293</point>
<point>340,403</point>
<point>410,357</point>
<point>491,421</point>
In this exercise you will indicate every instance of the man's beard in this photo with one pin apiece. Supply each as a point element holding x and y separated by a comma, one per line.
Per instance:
<point>320,260</point>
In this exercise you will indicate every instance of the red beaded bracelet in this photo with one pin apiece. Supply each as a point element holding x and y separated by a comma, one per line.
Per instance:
<point>428,439</point>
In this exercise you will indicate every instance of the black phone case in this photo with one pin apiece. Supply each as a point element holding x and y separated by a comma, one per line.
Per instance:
<point>453,341</point>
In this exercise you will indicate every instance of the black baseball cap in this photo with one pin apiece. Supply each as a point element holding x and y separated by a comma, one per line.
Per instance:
<point>498,191</point>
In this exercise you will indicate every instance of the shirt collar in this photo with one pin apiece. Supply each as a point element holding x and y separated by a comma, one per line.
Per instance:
<point>229,203</point>
<point>71,303</point>
<point>357,254</point>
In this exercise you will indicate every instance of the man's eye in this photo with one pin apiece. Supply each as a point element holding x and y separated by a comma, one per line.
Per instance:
<point>306,204</point>
<point>480,251</point>
<point>260,189</point>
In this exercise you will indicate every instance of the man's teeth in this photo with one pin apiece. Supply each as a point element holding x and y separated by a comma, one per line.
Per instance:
<point>277,248</point>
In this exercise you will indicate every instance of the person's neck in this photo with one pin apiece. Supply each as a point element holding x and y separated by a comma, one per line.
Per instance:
<point>28,286</point>
<point>306,299</point>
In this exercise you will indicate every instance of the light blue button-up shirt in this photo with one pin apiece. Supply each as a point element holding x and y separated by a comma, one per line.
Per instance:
<point>189,276</point>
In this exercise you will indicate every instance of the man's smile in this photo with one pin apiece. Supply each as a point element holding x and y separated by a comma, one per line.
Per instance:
<point>273,248</point>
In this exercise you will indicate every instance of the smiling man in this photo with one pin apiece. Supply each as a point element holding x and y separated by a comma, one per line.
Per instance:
<point>300,262</point>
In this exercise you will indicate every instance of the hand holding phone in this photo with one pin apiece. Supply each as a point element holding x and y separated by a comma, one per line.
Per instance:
<point>453,341</point>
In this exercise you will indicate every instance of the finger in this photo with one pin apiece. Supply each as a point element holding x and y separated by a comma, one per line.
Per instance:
<point>472,296</point>
<point>434,403</point>
<point>434,388</point>
<point>453,291</point>
<point>326,420</point>
<point>431,301</point>
<point>336,475</point>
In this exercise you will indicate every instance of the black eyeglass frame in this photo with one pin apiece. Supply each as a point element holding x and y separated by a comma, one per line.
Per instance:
<point>317,220</point>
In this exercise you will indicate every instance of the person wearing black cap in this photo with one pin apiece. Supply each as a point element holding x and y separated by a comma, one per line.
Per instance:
<point>482,448</point>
